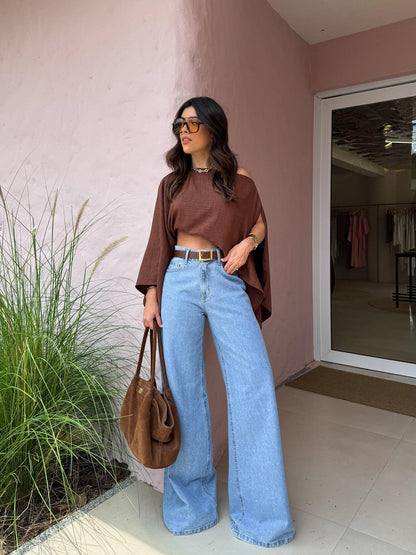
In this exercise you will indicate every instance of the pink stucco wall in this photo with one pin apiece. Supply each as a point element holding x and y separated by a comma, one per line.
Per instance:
<point>381,53</point>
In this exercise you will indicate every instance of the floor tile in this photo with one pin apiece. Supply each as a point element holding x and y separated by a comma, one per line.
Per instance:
<point>355,543</point>
<point>344,412</point>
<point>120,525</point>
<point>314,535</point>
<point>410,433</point>
<point>330,468</point>
<point>389,511</point>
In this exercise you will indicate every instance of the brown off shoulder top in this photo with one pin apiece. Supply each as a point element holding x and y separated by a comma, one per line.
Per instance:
<point>199,209</point>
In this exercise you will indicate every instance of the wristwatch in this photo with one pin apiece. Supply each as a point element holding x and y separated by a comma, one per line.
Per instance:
<point>256,243</point>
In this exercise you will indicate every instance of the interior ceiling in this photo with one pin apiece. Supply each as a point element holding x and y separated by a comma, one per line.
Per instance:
<point>320,20</point>
<point>366,130</point>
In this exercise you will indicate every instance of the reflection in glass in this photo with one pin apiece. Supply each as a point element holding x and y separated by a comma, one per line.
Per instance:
<point>373,224</point>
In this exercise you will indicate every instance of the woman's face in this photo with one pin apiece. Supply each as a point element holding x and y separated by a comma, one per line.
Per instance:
<point>195,143</point>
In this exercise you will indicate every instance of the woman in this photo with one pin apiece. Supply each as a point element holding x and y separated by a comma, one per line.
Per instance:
<point>207,259</point>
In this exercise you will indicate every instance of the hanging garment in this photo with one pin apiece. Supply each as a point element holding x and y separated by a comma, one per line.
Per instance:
<point>357,236</point>
<point>404,233</point>
<point>399,230</point>
<point>410,230</point>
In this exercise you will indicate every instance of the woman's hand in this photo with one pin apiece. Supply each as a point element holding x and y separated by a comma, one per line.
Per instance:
<point>237,256</point>
<point>151,309</point>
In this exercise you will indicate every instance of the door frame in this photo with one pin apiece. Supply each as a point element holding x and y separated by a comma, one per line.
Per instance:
<point>324,103</point>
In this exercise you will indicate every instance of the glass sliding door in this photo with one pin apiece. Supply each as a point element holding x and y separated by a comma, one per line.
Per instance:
<point>365,209</point>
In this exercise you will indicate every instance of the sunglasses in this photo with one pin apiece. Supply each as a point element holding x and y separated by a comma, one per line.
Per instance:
<point>191,123</point>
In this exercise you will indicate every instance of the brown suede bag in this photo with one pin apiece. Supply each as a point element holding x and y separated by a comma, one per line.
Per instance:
<point>148,418</point>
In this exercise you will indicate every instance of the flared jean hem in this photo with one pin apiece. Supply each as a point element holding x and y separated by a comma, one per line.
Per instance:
<point>281,541</point>
<point>193,530</point>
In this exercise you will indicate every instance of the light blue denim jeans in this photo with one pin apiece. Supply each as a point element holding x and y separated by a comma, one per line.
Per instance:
<point>192,292</point>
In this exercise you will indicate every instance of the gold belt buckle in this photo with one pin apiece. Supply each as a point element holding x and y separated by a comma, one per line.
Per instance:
<point>201,259</point>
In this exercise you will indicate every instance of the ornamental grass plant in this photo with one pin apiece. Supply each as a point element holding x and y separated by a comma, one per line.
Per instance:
<point>60,361</point>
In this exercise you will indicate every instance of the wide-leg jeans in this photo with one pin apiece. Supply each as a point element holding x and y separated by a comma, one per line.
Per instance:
<point>192,292</point>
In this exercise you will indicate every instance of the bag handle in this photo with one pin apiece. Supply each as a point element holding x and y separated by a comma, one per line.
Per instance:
<point>155,335</point>
<point>139,364</point>
<point>158,333</point>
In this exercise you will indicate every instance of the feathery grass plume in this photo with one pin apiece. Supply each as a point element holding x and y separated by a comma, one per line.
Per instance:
<point>79,216</point>
<point>106,252</point>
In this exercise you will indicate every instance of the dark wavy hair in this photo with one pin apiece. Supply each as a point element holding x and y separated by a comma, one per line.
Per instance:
<point>221,158</point>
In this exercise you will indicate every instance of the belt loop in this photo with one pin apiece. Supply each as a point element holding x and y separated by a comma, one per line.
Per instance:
<point>219,257</point>
<point>187,255</point>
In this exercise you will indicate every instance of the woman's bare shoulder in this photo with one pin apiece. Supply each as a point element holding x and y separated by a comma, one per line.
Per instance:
<point>242,171</point>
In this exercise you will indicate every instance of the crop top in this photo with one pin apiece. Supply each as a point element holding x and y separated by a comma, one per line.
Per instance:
<point>199,209</point>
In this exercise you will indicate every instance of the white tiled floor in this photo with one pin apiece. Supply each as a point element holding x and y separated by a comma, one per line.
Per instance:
<point>351,476</point>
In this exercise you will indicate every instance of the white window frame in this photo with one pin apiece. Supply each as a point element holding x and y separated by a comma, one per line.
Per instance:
<point>324,103</point>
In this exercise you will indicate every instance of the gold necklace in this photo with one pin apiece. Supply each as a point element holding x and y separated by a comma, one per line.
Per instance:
<point>202,170</point>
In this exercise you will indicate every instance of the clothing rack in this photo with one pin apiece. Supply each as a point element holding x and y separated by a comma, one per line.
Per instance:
<point>377,206</point>
<point>410,296</point>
